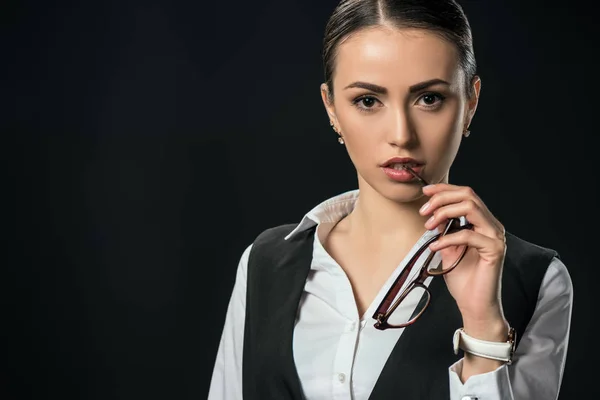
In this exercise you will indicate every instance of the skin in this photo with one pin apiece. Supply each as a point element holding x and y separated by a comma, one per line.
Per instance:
<point>427,125</point>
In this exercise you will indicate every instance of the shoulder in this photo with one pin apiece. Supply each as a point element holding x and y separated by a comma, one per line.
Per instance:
<point>521,250</point>
<point>533,275</point>
<point>271,244</point>
<point>527,259</point>
<point>265,238</point>
<point>526,266</point>
<point>274,234</point>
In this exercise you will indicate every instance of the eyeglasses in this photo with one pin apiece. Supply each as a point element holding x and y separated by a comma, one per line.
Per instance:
<point>416,291</point>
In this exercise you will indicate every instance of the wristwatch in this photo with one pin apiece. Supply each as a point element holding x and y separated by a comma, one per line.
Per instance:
<point>501,351</point>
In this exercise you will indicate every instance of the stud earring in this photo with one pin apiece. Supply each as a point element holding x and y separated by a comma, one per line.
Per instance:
<point>341,139</point>
<point>467,133</point>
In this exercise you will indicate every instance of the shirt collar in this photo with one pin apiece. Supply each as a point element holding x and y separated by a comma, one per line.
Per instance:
<point>330,210</point>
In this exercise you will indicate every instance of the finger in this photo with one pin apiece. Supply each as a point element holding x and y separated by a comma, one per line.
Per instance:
<point>489,249</point>
<point>439,187</point>
<point>470,210</point>
<point>447,197</point>
<point>450,193</point>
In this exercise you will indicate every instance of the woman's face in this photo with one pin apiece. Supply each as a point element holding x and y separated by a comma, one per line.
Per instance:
<point>399,92</point>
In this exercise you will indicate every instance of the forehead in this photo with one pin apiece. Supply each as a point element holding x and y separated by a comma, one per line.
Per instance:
<point>396,58</point>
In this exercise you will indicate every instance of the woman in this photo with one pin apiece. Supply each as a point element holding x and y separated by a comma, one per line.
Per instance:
<point>313,312</point>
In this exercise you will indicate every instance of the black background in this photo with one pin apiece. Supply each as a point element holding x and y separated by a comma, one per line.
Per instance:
<point>146,143</point>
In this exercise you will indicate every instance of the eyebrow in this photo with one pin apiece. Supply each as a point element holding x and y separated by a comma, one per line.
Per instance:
<point>381,90</point>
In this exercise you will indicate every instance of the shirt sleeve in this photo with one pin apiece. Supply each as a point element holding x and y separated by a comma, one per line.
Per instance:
<point>538,363</point>
<point>226,382</point>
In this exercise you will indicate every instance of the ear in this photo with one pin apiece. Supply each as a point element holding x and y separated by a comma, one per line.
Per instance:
<point>472,101</point>
<point>329,107</point>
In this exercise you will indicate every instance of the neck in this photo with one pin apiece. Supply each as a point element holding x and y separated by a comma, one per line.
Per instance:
<point>380,221</point>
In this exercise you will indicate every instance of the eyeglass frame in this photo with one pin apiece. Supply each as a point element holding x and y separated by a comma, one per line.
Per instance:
<point>384,310</point>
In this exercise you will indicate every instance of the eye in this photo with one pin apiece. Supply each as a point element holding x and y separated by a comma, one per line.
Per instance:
<point>431,100</point>
<point>365,103</point>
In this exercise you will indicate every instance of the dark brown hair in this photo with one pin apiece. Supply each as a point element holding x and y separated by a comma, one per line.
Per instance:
<point>443,17</point>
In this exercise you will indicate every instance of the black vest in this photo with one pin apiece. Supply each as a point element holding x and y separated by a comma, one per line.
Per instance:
<point>417,367</point>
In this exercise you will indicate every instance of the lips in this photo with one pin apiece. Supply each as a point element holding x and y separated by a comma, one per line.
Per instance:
<point>397,169</point>
<point>399,166</point>
<point>397,162</point>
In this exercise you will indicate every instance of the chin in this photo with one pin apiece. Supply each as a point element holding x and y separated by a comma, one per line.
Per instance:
<point>403,193</point>
<point>398,192</point>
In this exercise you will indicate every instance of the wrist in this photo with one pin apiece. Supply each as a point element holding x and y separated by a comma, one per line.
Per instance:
<point>484,355</point>
<point>493,331</point>
<point>480,350</point>
<point>492,326</point>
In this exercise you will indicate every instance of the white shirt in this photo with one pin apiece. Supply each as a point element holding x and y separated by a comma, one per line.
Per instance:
<point>339,354</point>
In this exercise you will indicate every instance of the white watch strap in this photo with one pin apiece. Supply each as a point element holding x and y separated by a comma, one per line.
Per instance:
<point>501,351</point>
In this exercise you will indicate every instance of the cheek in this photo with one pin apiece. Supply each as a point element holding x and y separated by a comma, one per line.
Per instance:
<point>438,123</point>
<point>353,121</point>
<point>440,134</point>
<point>357,128</point>
<point>361,142</point>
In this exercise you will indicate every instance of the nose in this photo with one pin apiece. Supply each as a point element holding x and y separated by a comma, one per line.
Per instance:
<point>401,131</point>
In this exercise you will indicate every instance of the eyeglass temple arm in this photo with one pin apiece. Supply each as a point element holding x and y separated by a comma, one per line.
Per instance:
<point>395,288</point>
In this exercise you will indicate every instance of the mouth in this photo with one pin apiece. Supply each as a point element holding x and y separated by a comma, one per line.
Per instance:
<point>403,169</point>
<point>401,166</point>
<point>401,162</point>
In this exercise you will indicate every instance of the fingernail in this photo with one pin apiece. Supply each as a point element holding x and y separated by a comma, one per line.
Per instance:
<point>424,207</point>
<point>428,186</point>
